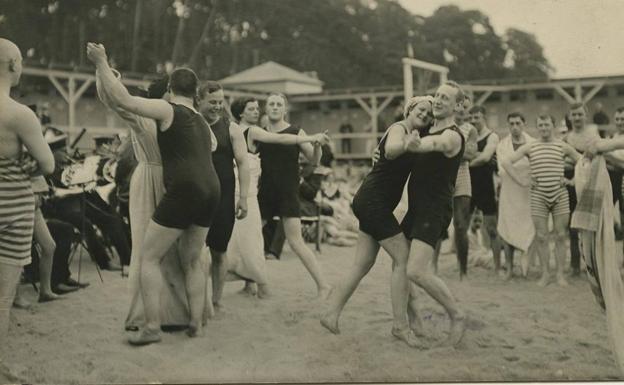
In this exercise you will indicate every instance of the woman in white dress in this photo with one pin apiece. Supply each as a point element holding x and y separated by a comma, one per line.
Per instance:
<point>245,252</point>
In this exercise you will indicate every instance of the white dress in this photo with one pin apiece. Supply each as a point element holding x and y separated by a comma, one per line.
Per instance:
<point>245,252</point>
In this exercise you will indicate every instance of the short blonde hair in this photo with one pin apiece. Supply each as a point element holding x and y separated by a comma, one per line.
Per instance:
<point>413,102</point>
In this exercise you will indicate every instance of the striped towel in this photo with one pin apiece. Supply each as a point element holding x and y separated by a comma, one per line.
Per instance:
<point>590,192</point>
<point>17,211</point>
<point>597,241</point>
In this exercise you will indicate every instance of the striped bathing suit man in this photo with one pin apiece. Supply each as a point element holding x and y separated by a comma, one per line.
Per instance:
<point>17,213</point>
<point>548,195</point>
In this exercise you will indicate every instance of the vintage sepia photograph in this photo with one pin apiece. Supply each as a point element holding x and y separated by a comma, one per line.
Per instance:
<point>311,191</point>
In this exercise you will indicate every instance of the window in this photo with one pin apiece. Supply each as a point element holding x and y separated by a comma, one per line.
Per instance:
<point>517,96</point>
<point>544,94</point>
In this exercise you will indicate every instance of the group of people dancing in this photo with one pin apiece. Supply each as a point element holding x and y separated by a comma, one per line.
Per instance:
<point>207,179</point>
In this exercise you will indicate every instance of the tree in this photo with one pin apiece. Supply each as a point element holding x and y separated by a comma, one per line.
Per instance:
<point>349,43</point>
<point>465,42</point>
<point>526,55</point>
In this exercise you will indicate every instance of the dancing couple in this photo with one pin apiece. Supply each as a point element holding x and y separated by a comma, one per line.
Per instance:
<point>429,154</point>
<point>185,212</point>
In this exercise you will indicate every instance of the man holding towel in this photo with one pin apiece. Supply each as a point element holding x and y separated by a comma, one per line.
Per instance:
<point>515,226</point>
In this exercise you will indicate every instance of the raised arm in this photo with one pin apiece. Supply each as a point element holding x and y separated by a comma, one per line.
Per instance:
<point>132,119</point>
<point>156,109</point>
<point>26,126</point>
<point>487,153</point>
<point>240,157</point>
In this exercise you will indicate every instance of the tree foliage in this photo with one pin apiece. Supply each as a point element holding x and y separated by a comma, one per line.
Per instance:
<point>349,43</point>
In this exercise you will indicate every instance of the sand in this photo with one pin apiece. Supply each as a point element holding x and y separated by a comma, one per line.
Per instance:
<point>516,331</point>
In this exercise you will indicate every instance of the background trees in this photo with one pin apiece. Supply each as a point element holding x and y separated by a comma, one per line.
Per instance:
<point>349,43</point>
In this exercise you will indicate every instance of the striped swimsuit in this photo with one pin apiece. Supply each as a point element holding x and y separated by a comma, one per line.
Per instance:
<point>463,186</point>
<point>548,195</point>
<point>17,213</point>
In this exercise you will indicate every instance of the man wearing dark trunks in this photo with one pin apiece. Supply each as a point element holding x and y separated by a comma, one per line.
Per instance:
<point>192,190</point>
<point>231,147</point>
<point>430,194</point>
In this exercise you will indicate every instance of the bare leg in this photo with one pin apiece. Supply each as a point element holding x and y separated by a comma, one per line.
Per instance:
<point>44,239</point>
<point>9,279</point>
<point>489,222</point>
<point>543,249</point>
<point>292,230</point>
<point>560,224</point>
<point>398,248</point>
<point>461,221</point>
<point>509,254</point>
<point>418,272</point>
<point>436,256</point>
<point>413,311</point>
<point>19,301</point>
<point>156,242</point>
<point>191,248</point>
<point>218,272</point>
<point>365,256</point>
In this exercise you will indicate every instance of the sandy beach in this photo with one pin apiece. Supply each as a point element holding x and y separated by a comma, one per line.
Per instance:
<point>516,332</point>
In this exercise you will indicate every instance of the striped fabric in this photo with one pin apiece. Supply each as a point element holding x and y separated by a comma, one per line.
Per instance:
<point>547,168</point>
<point>548,196</point>
<point>17,212</point>
<point>463,186</point>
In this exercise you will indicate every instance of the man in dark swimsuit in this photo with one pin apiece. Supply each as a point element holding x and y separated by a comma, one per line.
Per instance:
<point>231,148</point>
<point>430,193</point>
<point>192,186</point>
<point>482,169</point>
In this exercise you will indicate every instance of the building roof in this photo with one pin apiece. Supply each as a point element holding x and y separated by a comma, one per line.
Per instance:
<point>270,72</point>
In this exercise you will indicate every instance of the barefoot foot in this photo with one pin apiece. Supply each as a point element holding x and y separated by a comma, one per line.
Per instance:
<point>194,331</point>
<point>324,292</point>
<point>407,335</point>
<point>145,337</point>
<point>21,303</point>
<point>47,297</point>
<point>330,322</point>
<point>263,291</point>
<point>543,281</point>
<point>561,281</point>
<point>458,327</point>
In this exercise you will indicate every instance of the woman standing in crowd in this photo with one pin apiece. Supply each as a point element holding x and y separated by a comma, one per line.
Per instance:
<point>245,250</point>
<point>279,185</point>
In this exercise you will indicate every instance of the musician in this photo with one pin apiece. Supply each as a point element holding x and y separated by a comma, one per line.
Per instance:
<point>66,206</point>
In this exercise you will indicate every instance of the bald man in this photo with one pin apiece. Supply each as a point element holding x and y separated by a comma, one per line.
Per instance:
<point>19,131</point>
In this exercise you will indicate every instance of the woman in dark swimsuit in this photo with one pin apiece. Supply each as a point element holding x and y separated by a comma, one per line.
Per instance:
<point>373,205</point>
<point>193,190</point>
<point>278,193</point>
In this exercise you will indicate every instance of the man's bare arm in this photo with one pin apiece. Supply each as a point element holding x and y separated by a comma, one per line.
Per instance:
<point>28,129</point>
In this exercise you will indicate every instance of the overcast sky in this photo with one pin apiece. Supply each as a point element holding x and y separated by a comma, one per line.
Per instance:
<point>580,37</point>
